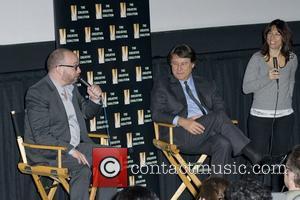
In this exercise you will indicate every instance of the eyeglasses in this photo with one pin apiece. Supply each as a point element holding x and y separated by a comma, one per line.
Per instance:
<point>73,66</point>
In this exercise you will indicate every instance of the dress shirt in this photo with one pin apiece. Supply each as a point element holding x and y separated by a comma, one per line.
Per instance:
<point>66,95</point>
<point>193,109</point>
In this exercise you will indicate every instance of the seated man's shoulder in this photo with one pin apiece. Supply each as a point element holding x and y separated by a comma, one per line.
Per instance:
<point>278,195</point>
<point>293,195</point>
<point>162,81</point>
<point>203,80</point>
<point>40,86</point>
<point>289,195</point>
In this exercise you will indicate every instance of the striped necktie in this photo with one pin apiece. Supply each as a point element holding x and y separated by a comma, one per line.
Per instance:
<point>189,92</point>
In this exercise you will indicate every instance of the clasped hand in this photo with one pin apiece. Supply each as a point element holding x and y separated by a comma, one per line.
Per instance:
<point>191,125</point>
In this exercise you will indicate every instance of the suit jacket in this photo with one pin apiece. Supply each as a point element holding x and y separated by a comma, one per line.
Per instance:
<point>168,99</point>
<point>46,120</point>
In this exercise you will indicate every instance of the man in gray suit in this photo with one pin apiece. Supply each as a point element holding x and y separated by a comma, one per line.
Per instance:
<point>56,114</point>
<point>192,104</point>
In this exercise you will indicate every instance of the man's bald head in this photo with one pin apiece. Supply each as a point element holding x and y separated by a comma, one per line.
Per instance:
<point>57,57</point>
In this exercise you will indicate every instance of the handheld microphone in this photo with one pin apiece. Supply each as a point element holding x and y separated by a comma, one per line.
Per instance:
<point>81,80</point>
<point>275,64</point>
<point>85,83</point>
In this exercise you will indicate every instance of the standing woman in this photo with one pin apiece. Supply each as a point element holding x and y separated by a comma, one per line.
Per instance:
<point>270,76</point>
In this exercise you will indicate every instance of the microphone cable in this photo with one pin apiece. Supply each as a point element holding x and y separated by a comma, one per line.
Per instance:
<point>275,63</point>
<point>106,121</point>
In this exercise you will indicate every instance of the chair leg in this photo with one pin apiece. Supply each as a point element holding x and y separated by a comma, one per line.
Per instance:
<point>65,184</point>
<point>182,187</point>
<point>40,187</point>
<point>93,193</point>
<point>52,190</point>
<point>190,175</point>
<point>182,176</point>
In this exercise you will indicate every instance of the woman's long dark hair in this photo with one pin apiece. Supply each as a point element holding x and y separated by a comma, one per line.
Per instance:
<point>286,34</point>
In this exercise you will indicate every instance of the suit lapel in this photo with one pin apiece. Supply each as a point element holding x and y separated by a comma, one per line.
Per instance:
<point>54,93</point>
<point>201,89</point>
<point>176,89</point>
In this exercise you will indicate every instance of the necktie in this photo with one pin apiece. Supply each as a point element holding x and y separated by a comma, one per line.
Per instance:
<point>189,92</point>
<point>65,94</point>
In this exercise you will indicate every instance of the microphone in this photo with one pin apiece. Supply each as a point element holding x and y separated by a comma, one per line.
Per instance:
<point>82,81</point>
<point>275,64</point>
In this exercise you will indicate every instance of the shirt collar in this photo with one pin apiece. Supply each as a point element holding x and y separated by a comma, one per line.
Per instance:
<point>189,81</point>
<point>60,89</point>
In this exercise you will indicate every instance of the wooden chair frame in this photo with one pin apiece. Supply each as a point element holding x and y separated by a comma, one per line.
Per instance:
<point>189,180</point>
<point>172,153</point>
<point>58,174</point>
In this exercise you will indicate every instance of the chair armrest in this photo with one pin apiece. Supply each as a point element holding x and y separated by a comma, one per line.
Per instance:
<point>166,125</point>
<point>59,149</point>
<point>103,138</point>
<point>94,135</point>
<point>46,147</point>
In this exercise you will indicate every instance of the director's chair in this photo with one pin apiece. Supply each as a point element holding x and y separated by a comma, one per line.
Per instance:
<point>172,153</point>
<point>58,174</point>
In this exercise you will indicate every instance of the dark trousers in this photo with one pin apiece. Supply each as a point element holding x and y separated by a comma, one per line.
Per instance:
<point>220,138</point>
<point>260,133</point>
<point>81,175</point>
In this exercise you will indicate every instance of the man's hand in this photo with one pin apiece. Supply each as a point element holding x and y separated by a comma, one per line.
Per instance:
<point>95,92</point>
<point>80,157</point>
<point>191,125</point>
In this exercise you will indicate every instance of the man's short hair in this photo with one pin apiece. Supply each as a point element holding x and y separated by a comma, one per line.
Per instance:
<point>248,189</point>
<point>56,57</point>
<point>182,51</point>
<point>293,164</point>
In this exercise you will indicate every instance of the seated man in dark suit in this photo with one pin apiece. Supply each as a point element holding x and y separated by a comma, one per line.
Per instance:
<point>194,106</point>
<point>56,114</point>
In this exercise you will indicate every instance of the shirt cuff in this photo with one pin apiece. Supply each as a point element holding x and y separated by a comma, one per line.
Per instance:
<point>175,120</point>
<point>71,151</point>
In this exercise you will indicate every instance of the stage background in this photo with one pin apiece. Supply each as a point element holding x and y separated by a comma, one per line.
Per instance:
<point>32,21</point>
<point>223,52</point>
<point>112,41</point>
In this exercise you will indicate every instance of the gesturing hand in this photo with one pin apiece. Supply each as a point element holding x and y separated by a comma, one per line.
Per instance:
<point>80,157</point>
<point>191,125</point>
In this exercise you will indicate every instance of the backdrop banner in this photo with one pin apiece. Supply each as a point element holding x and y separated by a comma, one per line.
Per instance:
<point>113,43</point>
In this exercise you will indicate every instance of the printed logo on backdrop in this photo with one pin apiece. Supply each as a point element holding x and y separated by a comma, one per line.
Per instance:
<point>113,44</point>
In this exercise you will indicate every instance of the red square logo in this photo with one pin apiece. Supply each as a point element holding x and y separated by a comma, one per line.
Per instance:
<point>110,167</point>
